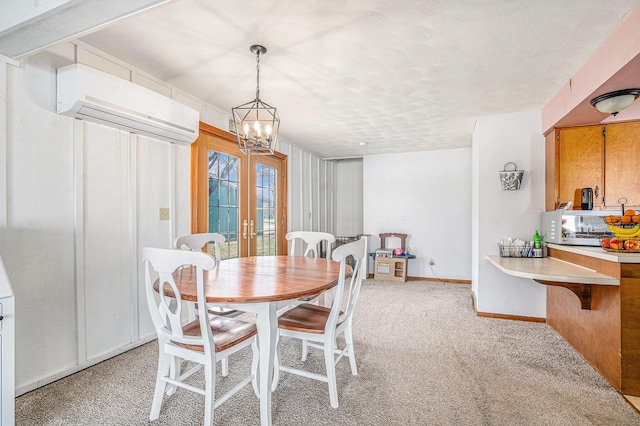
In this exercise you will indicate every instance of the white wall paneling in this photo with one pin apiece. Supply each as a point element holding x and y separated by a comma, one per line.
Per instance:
<point>86,197</point>
<point>309,203</point>
<point>348,197</point>
<point>306,197</point>
<point>40,223</point>
<point>327,189</point>
<point>500,214</point>
<point>426,195</point>
<point>295,198</point>
<point>4,63</point>
<point>107,257</point>
<point>106,187</point>
<point>78,193</point>
<point>315,201</point>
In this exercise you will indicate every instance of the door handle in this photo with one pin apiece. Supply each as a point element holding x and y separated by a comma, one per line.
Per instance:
<point>253,234</point>
<point>244,229</point>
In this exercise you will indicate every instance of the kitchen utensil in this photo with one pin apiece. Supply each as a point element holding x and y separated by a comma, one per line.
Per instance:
<point>587,199</point>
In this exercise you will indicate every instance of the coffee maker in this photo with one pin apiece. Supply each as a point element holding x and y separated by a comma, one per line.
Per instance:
<point>587,199</point>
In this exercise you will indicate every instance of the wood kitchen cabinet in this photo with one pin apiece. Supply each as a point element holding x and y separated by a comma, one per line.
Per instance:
<point>621,165</point>
<point>580,163</point>
<point>604,158</point>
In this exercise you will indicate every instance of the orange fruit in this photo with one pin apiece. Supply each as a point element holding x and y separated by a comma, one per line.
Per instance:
<point>611,219</point>
<point>629,212</point>
<point>635,218</point>
<point>625,219</point>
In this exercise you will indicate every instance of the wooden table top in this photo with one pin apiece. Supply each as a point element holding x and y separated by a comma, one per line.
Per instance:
<point>262,278</point>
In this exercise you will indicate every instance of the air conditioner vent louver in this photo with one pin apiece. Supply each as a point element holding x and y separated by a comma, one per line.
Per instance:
<point>93,95</point>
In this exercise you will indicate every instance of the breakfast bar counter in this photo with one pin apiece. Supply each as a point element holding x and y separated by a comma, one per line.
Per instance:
<point>550,269</point>
<point>606,332</point>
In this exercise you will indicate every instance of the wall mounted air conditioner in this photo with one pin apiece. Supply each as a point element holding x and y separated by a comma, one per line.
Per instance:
<point>93,95</point>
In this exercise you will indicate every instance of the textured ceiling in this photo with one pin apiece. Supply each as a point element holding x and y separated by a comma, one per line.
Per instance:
<point>397,75</point>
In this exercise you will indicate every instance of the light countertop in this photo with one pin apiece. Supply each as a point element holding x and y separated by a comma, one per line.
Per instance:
<point>550,269</point>
<point>599,252</point>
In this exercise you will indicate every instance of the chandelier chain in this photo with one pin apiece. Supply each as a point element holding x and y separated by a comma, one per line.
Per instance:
<point>258,75</point>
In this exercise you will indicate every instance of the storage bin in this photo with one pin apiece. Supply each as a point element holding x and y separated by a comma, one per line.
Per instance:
<point>510,250</point>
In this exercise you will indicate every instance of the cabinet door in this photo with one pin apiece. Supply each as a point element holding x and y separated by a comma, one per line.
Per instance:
<point>581,159</point>
<point>622,171</point>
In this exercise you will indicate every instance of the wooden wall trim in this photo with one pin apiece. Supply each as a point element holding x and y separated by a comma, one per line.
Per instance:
<point>443,280</point>
<point>510,317</point>
<point>439,280</point>
<point>502,316</point>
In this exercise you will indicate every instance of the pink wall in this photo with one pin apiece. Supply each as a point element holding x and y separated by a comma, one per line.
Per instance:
<point>613,66</point>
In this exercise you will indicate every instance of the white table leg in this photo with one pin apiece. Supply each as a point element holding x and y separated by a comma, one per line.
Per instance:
<point>267,324</point>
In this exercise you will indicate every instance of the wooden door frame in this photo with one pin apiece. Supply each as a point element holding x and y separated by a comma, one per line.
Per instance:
<point>199,163</point>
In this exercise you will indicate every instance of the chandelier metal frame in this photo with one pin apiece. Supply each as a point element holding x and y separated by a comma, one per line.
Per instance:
<point>256,123</point>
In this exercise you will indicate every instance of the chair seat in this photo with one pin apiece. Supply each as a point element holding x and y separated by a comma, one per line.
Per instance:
<point>227,332</point>
<point>306,318</point>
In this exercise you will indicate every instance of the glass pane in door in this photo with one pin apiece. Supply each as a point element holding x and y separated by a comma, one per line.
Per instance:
<point>265,210</point>
<point>223,200</point>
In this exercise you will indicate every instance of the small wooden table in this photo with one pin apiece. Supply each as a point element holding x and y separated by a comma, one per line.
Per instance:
<point>262,285</point>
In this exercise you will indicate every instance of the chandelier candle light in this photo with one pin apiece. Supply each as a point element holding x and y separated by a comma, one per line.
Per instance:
<point>256,123</point>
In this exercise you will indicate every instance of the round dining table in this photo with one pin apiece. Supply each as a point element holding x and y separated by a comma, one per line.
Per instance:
<point>262,285</point>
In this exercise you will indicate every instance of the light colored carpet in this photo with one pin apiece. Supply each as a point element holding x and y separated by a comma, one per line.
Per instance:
<point>423,357</point>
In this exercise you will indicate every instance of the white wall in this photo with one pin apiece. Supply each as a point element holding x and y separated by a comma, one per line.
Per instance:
<point>500,214</point>
<point>348,197</point>
<point>82,200</point>
<point>426,195</point>
<point>78,203</point>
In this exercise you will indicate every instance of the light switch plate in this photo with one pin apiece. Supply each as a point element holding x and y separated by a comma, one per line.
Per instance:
<point>164,213</point>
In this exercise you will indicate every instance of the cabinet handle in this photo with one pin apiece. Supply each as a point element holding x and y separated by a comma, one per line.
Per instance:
<point>244,229</point>
<point>597,194</point>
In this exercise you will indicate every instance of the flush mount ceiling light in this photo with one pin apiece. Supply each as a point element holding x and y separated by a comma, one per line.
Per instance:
<point>256,123</point>
<point>614,102</point>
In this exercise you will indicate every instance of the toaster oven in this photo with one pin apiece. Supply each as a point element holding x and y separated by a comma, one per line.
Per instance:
<point>575,227</point>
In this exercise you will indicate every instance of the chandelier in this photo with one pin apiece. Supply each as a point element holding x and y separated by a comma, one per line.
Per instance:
<point>256,123</point>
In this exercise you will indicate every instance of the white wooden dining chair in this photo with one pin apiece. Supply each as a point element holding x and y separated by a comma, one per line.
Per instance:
<point>203,341</point>
<point>309,242</point>
<point>319,325</point>
<point>197,242</point>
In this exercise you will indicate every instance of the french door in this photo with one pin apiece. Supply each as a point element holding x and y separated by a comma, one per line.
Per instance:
<point>242,197</point>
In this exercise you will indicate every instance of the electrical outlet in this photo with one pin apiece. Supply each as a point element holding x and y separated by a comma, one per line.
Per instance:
<point>164,213</point>
<point>432,261</point>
